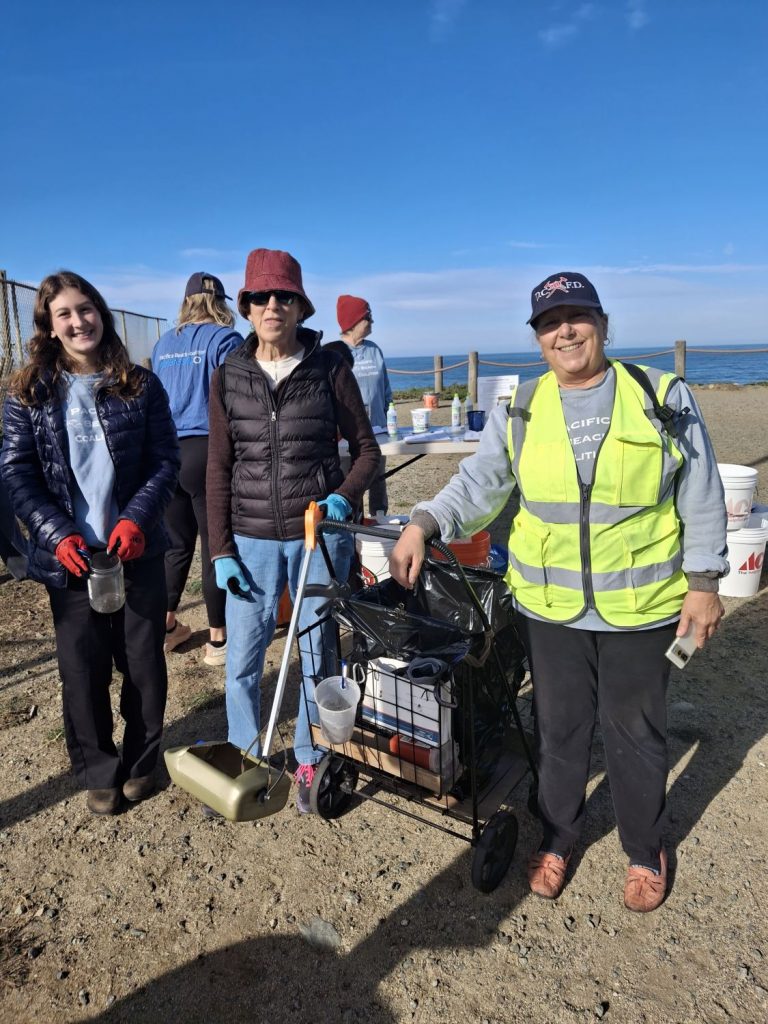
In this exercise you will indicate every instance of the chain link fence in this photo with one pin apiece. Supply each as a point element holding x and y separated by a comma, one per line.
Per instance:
<point>17,303</point>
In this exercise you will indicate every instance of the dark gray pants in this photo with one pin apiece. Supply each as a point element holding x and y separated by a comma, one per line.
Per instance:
<point>577,676</point>
<point>185,517</point>
<point>87,644</point>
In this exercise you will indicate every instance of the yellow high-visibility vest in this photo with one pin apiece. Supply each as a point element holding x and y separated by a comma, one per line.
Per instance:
<point>613,545</point>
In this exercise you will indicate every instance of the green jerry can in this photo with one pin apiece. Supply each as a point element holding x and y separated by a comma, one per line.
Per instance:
<point>220,775</point>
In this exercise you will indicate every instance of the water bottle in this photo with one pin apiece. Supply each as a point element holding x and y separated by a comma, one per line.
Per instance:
<point>392,420</point>
<point>456,412</point>
<point>468,408</point>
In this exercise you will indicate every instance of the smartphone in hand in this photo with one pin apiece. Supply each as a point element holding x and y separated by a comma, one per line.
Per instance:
<point>682,648</point>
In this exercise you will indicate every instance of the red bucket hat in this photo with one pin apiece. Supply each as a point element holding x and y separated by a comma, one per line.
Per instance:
<point>268,270</point>
<point>350,310</point>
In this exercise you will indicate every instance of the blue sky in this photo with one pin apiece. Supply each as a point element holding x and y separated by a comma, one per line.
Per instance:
<point>438,157</point>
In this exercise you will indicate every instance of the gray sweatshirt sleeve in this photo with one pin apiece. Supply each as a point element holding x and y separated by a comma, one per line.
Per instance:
<point>477,493</point>
<point>699,499</point>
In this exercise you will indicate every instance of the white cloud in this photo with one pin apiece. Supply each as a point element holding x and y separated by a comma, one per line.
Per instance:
<point>485,308</point>
<point>636,14</point>
<point>527,245</point>
<point>211,254</point>
<point>558,35</point>
<point>444,14</point>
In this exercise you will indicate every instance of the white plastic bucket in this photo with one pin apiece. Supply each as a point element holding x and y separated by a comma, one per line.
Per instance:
<point>746,553</point>
<point>739,483</point>
<point>420,419</point>
<point>374,558</point>
<point>337,699</point>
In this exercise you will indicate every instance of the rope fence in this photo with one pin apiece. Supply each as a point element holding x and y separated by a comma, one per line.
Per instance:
<point>680,351</point>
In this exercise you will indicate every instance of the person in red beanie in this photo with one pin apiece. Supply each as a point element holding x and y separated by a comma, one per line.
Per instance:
<point>356,323</point>
<point>277,406</point>
<point>90,461</point>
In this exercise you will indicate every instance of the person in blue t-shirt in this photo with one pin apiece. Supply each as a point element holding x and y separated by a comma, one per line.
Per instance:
<point>184,359</point>
<point>356,323</point>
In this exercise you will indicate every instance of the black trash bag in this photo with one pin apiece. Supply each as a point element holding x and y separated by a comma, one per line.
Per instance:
<point>386,623</point>
<point>439,619</point>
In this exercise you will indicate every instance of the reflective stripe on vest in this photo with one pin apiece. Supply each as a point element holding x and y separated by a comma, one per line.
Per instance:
<point>614,545</point>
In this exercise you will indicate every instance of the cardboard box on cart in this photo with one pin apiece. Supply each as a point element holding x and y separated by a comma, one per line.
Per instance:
<point>392,702</point>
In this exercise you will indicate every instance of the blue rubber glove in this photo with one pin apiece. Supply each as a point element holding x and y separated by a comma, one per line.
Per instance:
<point>229,576</point>
<point>336,507</point>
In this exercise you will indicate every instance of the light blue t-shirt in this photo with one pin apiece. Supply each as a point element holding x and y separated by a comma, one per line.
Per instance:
<point>372,379</point>
<point>93,493</point>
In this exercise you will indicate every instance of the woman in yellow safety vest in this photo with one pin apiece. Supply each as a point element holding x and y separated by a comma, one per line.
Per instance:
<point>616,548</point>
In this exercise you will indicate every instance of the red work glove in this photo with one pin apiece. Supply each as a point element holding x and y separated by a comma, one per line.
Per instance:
<point>69,556</point>
<point>126,540</point>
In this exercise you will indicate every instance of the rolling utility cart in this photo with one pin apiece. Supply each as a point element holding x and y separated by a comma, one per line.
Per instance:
<point>428,689</point>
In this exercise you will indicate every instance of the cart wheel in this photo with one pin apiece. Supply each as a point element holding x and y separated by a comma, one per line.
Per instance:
<point>332,787</point>
<point>494,851</point>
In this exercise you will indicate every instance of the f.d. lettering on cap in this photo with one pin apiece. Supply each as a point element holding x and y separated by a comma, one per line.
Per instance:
<point>565,288</point>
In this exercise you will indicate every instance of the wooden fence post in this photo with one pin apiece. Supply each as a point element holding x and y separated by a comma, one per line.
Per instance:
<point>680,358</point>
<point>438,374</point>
<point>472,377</point>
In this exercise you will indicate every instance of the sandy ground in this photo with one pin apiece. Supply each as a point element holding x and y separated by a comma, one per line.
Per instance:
<point>158,914</point>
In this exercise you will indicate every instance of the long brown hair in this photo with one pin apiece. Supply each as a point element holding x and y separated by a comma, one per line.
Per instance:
<point>47,358</point>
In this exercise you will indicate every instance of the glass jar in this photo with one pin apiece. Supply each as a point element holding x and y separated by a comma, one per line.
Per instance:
<point>106,587</point>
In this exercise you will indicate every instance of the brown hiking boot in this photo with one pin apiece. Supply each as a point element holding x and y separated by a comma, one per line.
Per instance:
<point>643,890</point>
<point>103,801</point>
<point>139,789</point>
<point>546,874</point>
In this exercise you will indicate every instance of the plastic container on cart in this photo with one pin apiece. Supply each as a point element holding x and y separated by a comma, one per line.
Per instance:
<point>337,699</point>
<point>474,550</point>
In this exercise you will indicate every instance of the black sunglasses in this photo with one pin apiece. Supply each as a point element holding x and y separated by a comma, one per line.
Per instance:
<point>262,298</point>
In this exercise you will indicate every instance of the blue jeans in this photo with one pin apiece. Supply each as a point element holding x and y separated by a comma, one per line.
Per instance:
<point>268,565</point>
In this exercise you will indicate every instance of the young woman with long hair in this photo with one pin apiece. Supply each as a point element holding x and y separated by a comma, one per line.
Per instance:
<point>90,461</point>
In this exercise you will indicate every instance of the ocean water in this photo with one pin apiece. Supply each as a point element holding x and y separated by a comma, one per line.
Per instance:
<point>736,365</point>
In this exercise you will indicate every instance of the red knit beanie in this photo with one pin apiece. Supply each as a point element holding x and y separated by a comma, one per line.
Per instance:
<point>350,311</point>
<point>270,270</point>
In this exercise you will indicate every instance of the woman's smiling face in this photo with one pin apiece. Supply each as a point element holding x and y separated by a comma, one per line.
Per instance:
<point>77,324</point>
<point>572,340</point>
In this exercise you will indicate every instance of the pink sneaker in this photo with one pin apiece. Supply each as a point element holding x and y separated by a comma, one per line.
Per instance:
<point>305,773</point>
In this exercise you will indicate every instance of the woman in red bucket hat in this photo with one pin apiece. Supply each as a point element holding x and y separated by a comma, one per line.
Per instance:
<point>277,406</point>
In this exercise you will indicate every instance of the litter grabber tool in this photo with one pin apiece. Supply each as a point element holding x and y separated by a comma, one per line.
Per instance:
<point>239,786</point>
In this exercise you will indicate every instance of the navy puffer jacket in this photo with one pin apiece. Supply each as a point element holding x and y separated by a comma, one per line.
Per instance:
<point>140,437</point>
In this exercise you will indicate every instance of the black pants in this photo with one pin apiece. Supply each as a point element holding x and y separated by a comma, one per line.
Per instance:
<point>577,675</point>
<point>87,643</point>
<point>185,517</point>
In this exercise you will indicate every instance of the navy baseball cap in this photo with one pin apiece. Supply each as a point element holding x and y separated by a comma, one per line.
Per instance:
<point>565,288</point>
<point>196,286</point>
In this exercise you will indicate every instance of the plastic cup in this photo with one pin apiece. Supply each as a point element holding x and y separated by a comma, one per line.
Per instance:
<point>420,419</point>
<point>337,699</point>
<point>476,419</point>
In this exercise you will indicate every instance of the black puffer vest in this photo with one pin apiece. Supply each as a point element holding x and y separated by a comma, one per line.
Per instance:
<point>286,451</point>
